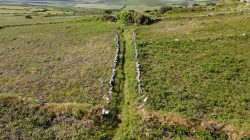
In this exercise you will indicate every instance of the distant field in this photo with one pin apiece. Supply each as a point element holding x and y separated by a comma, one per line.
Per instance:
<point>141,7</point>
<point>99,6</point>
<point>10,20</point>
<point>136,7</point>
<point>58,62</point>
<point>196,28</point>
<point>205,74</point>
<point>31,10</point>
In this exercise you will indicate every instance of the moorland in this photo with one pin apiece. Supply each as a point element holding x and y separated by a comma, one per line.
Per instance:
<point>124,70</point>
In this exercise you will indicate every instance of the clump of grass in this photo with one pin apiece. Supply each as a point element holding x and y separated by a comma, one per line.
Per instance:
<point>28,17</point>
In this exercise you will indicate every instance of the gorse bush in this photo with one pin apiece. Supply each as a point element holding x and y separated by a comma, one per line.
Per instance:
<point>109,18</point>
<point>28,17</point>
<point>125,17</point>
<point>142,19</point>
<point>164,9</point>
<point>132,17</point>
<point>108,12</point>
<point>211,4</point>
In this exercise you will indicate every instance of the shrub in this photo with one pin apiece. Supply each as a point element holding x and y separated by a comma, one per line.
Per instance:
<point>109,18</point>
<point>195,4</point>
<point>142,19</point>
<point>125,17</point>
<point>164,9</point>
<point>132,17</point>
<point>211,4</point>
<point>48,15</point>
<point>108,12</point>
<point>28,17</point>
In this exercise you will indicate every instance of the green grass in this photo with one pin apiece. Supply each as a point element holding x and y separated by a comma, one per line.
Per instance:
<point>203,76</point>
<point>58,62</point>
<point>65,60</point>
<point>134,125</point>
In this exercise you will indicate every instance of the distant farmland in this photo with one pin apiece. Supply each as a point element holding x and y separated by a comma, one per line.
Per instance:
<point>99,6</point>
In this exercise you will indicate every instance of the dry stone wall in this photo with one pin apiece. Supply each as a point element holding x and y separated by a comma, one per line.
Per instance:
<point>112,79</point>
<point>138,66</point>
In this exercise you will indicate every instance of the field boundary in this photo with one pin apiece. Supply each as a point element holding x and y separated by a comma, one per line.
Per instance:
<point>20,25</point>
<point>194,125</point>
<point>200,16</point>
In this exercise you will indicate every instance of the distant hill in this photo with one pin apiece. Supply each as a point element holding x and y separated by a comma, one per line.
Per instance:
<point>153,2</point>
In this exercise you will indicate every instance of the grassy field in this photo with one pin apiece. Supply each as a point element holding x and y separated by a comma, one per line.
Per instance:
<point>100,6</point>
<point>17,20</point>
<point>15,9</point>
<point>141,7</point>
<point>16,15</point>
<point>66,61</point>
<point>198,68</point>
<point>57,63</point>
<point>56,67</point>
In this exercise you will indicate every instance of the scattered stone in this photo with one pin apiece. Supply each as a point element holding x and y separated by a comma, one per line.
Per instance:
<point>107,100</point>
<point>145,99</point>
<point>103,111</point>
<point>106,112</point>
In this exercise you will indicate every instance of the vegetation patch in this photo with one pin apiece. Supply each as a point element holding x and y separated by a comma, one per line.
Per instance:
<point>24,118</point>
<point>132,17</point>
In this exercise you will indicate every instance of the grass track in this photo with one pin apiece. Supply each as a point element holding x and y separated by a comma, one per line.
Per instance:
<point>129,116</point>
